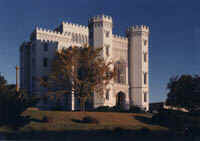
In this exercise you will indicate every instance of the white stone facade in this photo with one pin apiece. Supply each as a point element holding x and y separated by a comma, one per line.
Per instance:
<point>129,54</point>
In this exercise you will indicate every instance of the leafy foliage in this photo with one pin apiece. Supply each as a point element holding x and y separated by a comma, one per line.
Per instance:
<point>184,91</point>
<point>176,119</point>
<point>12,103</point>
<point>81,71</point>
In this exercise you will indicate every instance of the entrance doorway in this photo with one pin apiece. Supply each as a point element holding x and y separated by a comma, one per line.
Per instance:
<point>121,100</point>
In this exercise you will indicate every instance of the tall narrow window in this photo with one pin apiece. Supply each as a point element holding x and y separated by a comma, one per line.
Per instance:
<point>107,50</point>
<point>145,57</point>
<point>107,33</point>
<point>107,94</point>
<point>145,78</point>
<point>145,42</point>
<point>145,97</point>
<point>45,47</point>
<point>120,69</point>
<point>45,62</point>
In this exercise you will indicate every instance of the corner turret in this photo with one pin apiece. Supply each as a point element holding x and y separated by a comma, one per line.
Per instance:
<point>138,40</point>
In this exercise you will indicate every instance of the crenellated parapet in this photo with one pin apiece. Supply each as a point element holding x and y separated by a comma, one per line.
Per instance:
<point>100,18</point>
<point>50,35</point>
<point>120,38</point>
<point>139,28</point>
<point>119,42</point>
<point>74,28</point>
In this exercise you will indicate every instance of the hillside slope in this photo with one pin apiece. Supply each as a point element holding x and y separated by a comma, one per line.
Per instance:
<point>62,125</point>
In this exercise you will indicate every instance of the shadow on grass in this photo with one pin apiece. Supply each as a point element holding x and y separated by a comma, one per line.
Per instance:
<point>86,120</point>
<point>146,120</point>
<point>77,120</point>
<point>117,134</point>
<point>20,122</point>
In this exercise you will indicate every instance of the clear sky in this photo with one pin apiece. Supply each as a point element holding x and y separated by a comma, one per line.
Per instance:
<point>174,25</point>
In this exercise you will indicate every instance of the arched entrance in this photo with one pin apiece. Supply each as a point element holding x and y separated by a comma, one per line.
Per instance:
<point>121,100</point>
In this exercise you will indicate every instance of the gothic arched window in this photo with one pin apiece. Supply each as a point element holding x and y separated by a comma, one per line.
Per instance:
<point>120,69</point>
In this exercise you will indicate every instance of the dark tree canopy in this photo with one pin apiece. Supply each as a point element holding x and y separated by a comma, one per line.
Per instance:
<point>12,103</point>
<point>184,91</point>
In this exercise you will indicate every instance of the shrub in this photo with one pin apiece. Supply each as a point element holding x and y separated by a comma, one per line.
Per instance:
<point>136,109</point>
<point>12,104</point>
<point>103,109</point>
<point>89,119</point>
<point>175,119</point>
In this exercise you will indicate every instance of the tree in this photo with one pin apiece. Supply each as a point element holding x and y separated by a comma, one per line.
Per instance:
<point>81,71</point>
<point>3,84</point>
<point>12,103</point>
<point>184,91</point>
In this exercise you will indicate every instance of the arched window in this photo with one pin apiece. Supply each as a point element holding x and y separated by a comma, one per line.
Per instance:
<point>120,69</point>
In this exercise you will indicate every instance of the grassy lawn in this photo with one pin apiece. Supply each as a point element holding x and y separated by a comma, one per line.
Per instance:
<point>61,125</point>
<point>64,121</point>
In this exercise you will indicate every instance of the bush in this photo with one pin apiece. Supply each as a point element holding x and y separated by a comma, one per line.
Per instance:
<point>89,119</point>
<point>104,109</point>
<point>175,119</point>
<point>109,109</point>
<point>12,104</point>
<point>136,109</point>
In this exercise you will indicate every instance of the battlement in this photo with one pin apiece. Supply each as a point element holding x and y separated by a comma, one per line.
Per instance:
<point>47,31</point>
<point>120,38</point>
<point>49,35</point>
<point>136,28</point>
<point>70,27</point>
<point>100,18</point>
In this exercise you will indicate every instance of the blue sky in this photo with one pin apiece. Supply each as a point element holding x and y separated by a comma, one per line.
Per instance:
<point>174,24</point>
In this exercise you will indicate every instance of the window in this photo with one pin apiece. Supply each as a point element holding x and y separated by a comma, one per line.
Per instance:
<point>145,42</point>
<point>107,50</point>
<point>145,57</point>
<point>45,62</point>
<point>107,33</point>
<point>45,47</point>
<point>107,94</point>
<point>145,97</point>
<point>120,69</point>
<point>145,78</point>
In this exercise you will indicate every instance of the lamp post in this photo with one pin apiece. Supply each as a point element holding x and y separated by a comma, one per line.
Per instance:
<point>17,77</point>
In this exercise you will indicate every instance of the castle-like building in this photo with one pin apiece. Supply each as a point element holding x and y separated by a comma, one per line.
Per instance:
<point>129,54</point>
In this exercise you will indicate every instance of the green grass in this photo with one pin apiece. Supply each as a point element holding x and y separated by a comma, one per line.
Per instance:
<point>61,122</point>
<point>107,120</point>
